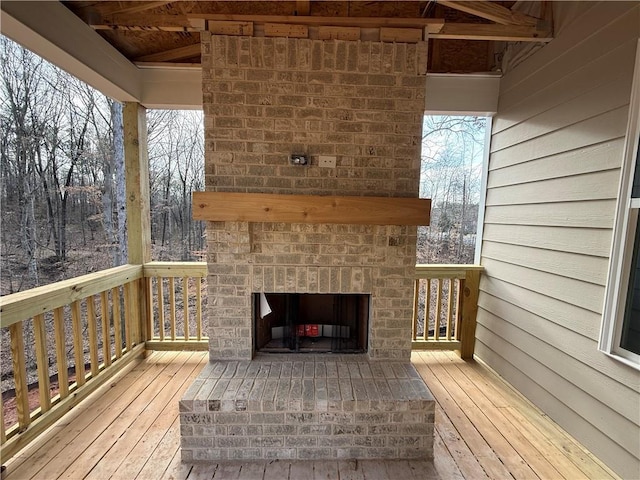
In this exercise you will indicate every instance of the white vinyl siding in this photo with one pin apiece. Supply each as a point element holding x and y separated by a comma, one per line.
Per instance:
<point>554,171</point>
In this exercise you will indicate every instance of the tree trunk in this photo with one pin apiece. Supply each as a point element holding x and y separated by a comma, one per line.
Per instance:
<point>107,207</point>
<point>121,201</point>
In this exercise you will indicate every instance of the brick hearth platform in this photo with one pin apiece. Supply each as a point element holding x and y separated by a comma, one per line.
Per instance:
<point>307,407</point>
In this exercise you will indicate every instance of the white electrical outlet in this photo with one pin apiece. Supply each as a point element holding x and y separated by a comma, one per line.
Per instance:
<point>327,161</point>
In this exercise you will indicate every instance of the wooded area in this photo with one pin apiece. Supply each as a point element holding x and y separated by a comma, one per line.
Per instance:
<point>62,177</point>
<point>451,172</point>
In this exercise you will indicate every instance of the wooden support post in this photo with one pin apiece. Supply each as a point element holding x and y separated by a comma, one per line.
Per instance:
<point>470,289</point>
<point>138,206</point>
<point>137,183</point>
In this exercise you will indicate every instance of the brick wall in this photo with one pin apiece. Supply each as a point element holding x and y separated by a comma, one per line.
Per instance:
<point>363,102</point>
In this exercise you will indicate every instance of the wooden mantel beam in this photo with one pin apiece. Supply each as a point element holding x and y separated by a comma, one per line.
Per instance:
<point>491,11</point>
<point>265,207</point>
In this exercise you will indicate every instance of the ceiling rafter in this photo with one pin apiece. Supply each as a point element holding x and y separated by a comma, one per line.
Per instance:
<point>433,24</point>
<point>491,11</point>
<point>487,31</point>
<point>114,8</point>
<point>143,28</point>
<point>179,53</point>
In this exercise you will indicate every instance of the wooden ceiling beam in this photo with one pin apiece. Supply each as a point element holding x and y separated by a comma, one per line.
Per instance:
<point>447,31</point>
<point>171,55</point>
<point>491,11</point>
<point>141,19</point>
<point>144,28</point>
<point>481,31</point>
<point>433,24</point>
<point>113,8</point>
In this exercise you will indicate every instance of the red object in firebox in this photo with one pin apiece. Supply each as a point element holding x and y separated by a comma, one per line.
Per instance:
<point>300,330</point>
<point>311,330</point>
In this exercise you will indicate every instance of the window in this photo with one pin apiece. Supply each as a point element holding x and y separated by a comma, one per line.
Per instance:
<point>620,335</point>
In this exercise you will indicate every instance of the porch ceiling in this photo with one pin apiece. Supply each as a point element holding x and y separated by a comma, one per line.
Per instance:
<point>463,33</point>
<point>149,51</point>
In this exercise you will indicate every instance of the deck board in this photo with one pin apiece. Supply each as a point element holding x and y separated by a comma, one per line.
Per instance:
<point>130,430</point>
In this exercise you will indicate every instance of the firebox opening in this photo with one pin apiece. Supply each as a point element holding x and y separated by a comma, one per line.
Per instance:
<point>301,322</point>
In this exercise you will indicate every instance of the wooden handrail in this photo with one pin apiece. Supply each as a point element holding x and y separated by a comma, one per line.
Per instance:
<point>76,301</point>
<point>175,269</point>
<point>446,270</point>
<point>22,305</point>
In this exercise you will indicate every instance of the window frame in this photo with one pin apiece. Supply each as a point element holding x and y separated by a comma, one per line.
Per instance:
<point>623,241</point>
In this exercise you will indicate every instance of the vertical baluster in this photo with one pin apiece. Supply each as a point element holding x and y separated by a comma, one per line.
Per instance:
<point>160,285</point>
<point>106,328</point>
<point>458,309</point>
<point>199,307</point>
<point>117,320</point>
<point>61,352</point>
<point>93,334</point>
<point>3,434</point>
<point>416,302</point>
<point>127,316</point>
<point>20,375</point>
<point>172,307</point>
<point>134,319</point>
<point>450,309</point>
<point>427,310</point>
<point>42,362</point>
<point>436,325</point>
<point>185,306</point>
<point>78,349</point>
<point>148,288</point>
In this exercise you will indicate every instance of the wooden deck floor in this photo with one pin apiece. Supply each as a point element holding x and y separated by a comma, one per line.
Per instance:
<point>129,430</point>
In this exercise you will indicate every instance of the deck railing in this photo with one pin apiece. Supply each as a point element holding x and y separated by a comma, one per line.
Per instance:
<point>78,332</point>
<point>445,307</point>
<point>175,320</point>
<point>69,338</point>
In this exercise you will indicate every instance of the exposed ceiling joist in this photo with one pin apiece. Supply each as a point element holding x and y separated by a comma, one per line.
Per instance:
<point>485,31</point>
<point>144,20</point>
<point>491,11</point>
<point>433,24</point>
<point>179,53</point>
<point>144,6</point>
<point>144,28</point>
<point>449,31</point>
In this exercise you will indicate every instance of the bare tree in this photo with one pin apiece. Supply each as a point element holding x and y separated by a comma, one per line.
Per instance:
<point>62,185</point>
<point>450,175</point>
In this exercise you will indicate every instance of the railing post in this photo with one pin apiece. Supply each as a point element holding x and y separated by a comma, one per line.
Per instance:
<point>470,291</point>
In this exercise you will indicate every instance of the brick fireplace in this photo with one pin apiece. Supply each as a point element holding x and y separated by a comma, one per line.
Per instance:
<point>361,103</point>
